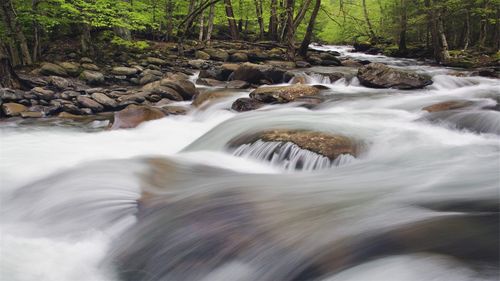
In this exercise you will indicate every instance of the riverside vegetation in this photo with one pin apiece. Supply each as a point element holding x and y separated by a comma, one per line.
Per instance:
<point>263,140</point>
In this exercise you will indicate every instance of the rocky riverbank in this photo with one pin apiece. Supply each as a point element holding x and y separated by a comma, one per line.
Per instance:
<point>148,85</point>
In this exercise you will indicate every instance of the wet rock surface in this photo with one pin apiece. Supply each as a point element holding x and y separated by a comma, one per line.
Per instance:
<point>378,75</point>
<point>328,145</point>
<point>283,94</point>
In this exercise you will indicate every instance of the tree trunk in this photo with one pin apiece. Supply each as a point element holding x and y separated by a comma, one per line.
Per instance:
<point>301,14</point>
<point>8,78</point>
<point>373,37</point>
<point>37,50</point>
<point>309,32</point>
<point>444,55</point>
<point>14,31</point>
<point>210,28</point>
<point>496,36</point>
<point>273,21</point>
<point>233,28</point>
<point>86,40</point>
<point>290,31</point>
<point>169,11</point>
<point>439,43</point>
<point>403,27</point>
<point>260,19</point>
<point>202,27</point>
<point>467,30</point>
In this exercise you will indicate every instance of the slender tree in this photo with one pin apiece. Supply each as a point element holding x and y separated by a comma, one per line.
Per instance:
<point>15,32</point>
<point>233,28</point>
<point>310,28</point>
<point>373,37</point>
<point>273,21</point>
<point>260,19</point>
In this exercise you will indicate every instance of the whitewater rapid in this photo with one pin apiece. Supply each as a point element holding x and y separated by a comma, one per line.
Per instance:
<point>68,193</point>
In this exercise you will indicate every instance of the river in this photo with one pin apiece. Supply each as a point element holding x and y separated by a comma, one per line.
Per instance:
<point>169,200</point>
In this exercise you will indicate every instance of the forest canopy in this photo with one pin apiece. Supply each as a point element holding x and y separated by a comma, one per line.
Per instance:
<point>435,26</point>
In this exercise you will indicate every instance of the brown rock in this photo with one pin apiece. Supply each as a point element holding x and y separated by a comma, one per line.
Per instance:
<point>184,87</point>
<point>246,104</point>
<point>283,94</point>
<point>133,115</point>
<point>211,96</point>
<point>13,109</point>
<point>104,100</point>
<point>31,114</point>
<point>90,103</point>
<point>238,84</point>
<point>448,105</point>
<point>328,145</point>
<point>378,75</point>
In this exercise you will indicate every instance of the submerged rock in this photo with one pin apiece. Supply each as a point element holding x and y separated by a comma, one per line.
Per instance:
<point>325,144</point>
<point>283,94</point>
<point>378,75</point>
<point>133,115</point>
<point>211,96</point>
<point>448,105</point>
<point>246,104</point>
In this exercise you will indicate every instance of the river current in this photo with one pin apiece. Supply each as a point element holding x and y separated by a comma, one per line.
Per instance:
<point>169,200</point>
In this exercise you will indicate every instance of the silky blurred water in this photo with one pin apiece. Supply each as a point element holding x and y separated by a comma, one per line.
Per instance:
<point>169,200</point>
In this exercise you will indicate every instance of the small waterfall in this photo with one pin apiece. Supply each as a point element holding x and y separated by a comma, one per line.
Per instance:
<point>289,156</point>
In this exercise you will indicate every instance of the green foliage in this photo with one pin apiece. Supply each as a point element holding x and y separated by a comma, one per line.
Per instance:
<point>129,45</point>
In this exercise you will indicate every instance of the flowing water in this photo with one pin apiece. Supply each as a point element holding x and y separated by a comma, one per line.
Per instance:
<point>171,200</point>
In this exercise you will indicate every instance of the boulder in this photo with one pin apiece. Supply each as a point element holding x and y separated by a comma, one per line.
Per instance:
<point>351,63</point>
<point>246,104</point>
<point>86,60</point>
<point>90,66</point>
<point>248,72</point>
<point>326,144</point>
<point>11,109</point>
<point>106,101</point>
<point>239,57</point>
<point>31,114</point>
<point>377,75</point>
<point>59,83</point>
<point>330,57</point>
<point>184,87</point>
<point>148,78</point>
<point>156,61</point>
<point>198,64</point>
<point>257,55</point>
<point>362,46</point>
<point>448,105</point>
<point>210,82</point>
<point>238,84</point>
<point>174,110</point>
<point>122,70</point>
<point>283,94</point>
<point>89,103</point>
<point>217,54</point>
<point>49,69</point>
<point>92,77</point>
<point>201,55</point>
<point>71,68</point>
<point>133,115</point>
<point>202,98</point>
<point>42,93</point>
<point>302,64</point>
